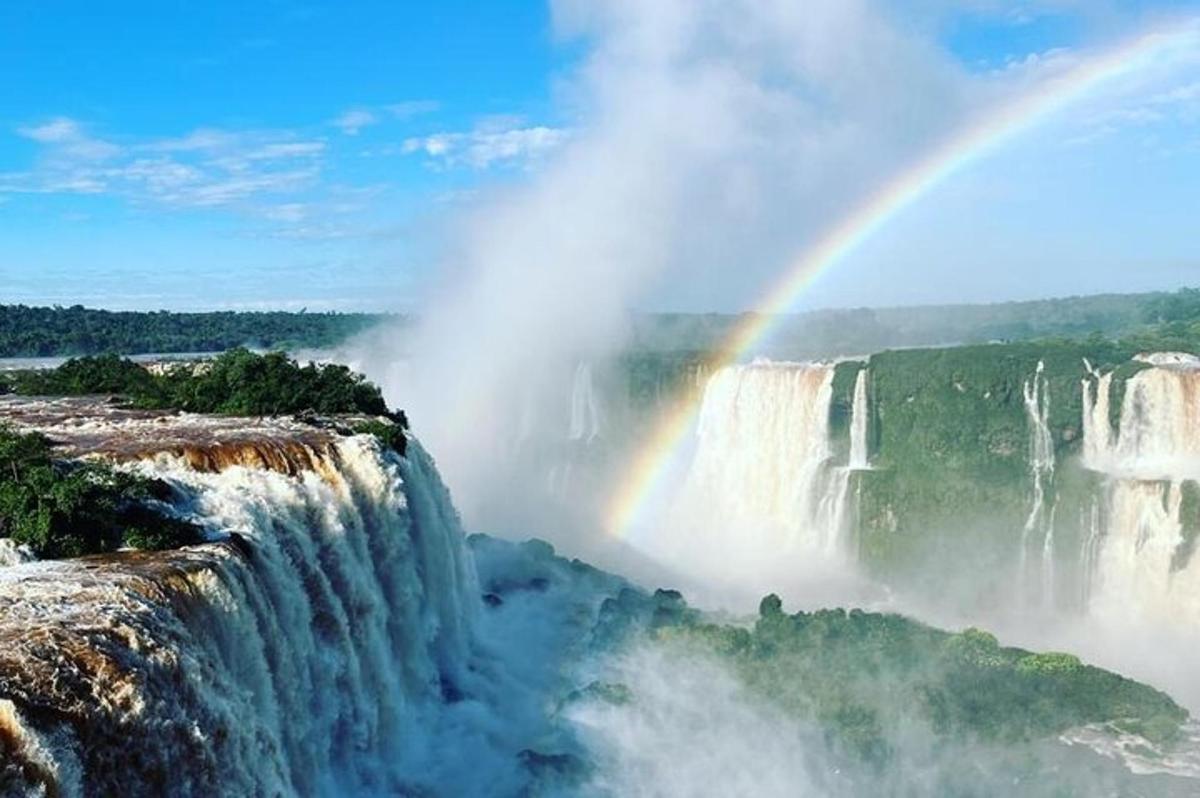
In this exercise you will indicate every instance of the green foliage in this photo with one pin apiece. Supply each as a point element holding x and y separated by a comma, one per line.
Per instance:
<point>71,509</point>
<point>239,383</point>
<point>654,376</point>
<point>389,434</point>
<point>841,405</point>
<point>950,442</point>
<point>1189,516</point>
<point>102,374</point>
<point>869,679</point>
<point>42,332</point>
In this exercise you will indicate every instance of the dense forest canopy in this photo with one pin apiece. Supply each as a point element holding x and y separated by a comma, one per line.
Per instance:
<point>238,383</point>
<point>859,331</point>
<point>47,332</point>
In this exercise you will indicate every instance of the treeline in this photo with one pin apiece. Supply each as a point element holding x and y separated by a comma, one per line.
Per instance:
<point>57,331</point>
<point>239,383</point>
<point>828,333</point>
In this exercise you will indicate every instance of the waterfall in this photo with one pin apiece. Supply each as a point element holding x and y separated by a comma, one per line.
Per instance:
<point>1097,428</point>
<point>1160,421</point>
<point>1040,520</point>
<point>585,408</point>
<point>762,494</point>
<point>1090,524</point>
<point>1134,576</point>
<point>859,419</point>
<point>1137,571</point>
<point>297,657</point>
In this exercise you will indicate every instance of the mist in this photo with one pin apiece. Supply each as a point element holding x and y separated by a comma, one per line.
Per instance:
<point>707,143</point>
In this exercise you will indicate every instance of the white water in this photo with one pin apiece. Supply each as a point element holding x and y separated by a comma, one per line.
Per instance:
<point>586,421</point>
<point>1158,435</point>
<point>1155,449</point>
<point>1040,521</point>
<point>859,420</point>
<point>307,669</point>
<point>763,506</point>
<point>762,450</point>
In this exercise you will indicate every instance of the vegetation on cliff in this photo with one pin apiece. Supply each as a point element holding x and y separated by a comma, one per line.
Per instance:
<point>239,383</point>
<point>42,332</point>
<point>68,509</point>
<point>872,682</point>
<point>950,444</point>
<point>863,676</point>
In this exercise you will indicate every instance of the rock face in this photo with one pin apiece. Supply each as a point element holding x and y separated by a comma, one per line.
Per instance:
<point>293,655</point>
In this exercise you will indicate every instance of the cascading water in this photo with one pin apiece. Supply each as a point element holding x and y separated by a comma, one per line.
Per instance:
<point>763,448</point>
<point>859,418</point>
<point>1097,428</point>
<point>299,657</point>
<point>585,423</point>
<point>585,407</point>
<point>1142,568</point>
<point>763,501</point>
<point>1040,521</point>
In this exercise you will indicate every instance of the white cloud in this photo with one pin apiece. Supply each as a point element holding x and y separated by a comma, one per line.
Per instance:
<point>208,167</point>
<point>69,139</point>
<point>483,148</point>
<point>56,130</point>
<point>354,120</point>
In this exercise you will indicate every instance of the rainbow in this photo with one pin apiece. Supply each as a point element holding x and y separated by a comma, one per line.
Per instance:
<point>973,142</point>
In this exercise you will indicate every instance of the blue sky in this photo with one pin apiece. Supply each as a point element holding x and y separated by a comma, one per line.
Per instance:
<point>280,154</point>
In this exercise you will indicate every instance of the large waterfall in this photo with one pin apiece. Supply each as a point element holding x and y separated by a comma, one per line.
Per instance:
<point>763,447</point>
<point>765,497</point>
<point>1144,567</point>
<point>300,656</point>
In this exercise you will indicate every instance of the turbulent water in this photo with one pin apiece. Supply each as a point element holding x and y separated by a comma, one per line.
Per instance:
<point>299,657</point>
<point>340,636</point>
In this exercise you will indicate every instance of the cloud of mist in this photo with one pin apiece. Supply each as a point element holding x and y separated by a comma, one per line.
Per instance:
<point>709,142</point>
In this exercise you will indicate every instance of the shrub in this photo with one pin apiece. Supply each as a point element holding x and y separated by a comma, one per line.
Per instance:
<point>63,509</point>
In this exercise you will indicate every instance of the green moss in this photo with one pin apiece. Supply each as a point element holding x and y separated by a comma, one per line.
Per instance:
<point>389,434</point>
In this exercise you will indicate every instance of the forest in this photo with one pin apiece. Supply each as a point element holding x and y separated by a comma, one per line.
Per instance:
<point>58,331</point>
